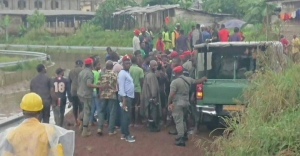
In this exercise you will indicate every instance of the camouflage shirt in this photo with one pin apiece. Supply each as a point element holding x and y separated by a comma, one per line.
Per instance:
<point>109,79</point>
<point>73,79</point>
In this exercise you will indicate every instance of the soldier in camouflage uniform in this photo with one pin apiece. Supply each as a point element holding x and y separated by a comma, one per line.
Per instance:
<point>85,93</point>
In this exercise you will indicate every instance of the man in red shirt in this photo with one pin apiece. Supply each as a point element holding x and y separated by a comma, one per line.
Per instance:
<point>285,43</point>
<point>160,46</point>
<point>223,34</point>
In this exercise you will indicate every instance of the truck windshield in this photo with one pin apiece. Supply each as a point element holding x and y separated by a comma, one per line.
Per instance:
<point>221,65</point>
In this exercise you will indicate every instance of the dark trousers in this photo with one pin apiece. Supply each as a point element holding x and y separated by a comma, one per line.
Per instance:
<point>59,112</point>
<point>135,110</point>
<point>125,120</point>
<point>119,112</point>
<point>45,113</point>
<point>77,106</point>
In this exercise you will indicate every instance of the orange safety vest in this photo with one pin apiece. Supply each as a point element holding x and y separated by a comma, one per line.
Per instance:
<point>177,35</point>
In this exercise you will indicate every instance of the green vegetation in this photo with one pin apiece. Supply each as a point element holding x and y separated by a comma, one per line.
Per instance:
<point>9,59</point>
<point>36,20</point>
<point>252,11</point>
<point>24,66</point>
<point>269,125</point>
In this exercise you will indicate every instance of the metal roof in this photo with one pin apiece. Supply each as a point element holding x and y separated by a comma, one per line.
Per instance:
<point>48,12</point>
<point>236,44</point>
<point>148,9</point>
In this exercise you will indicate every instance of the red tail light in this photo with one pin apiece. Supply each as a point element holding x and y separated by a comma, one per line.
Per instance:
<point>199,91</point>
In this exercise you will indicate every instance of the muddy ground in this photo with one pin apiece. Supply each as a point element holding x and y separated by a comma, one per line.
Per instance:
<point>147,144</point>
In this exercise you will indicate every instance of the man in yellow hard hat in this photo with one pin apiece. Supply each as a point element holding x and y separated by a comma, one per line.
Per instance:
<point>34,138</point>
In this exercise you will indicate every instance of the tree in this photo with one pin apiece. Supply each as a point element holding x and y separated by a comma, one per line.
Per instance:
<point>36,20</point>
<point>105,11</point>
<point>252,11</point>
<point>4,24</point>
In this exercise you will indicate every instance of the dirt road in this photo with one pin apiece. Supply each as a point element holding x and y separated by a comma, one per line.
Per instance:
<point>147,144</point>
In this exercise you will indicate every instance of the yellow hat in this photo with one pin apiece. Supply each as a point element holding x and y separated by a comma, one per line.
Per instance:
<point>31,102</point>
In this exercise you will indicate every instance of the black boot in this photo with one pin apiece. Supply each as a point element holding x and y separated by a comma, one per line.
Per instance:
<point>153,127</point>
<point>185,137</point>
<point>180,142</point>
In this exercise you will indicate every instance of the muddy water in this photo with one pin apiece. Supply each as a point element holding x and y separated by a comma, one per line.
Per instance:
<point>15,85</point>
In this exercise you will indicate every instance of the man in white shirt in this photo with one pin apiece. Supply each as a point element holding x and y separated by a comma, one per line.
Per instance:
<point>136,40</point>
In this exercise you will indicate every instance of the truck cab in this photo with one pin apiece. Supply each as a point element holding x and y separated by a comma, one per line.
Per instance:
<point>225,64</point>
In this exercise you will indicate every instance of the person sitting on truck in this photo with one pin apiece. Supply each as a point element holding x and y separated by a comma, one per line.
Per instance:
<point>178,102</point>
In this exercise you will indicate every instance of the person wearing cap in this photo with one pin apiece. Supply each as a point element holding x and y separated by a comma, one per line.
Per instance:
<point>136,40</point>
<point>62,88</point>
<point>175,35</point>
<point>73,80</point>
<point>126,96</point>
<point>178,102</point>
<point>85,94</point>
<point>32,138</point>
<point>187,63</point>
<point>41,85</point>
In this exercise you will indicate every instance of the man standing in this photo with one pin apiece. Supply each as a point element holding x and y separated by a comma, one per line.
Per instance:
<point>145,38</point>
<point>126,95</point>
<point>197,36</point>
<point>108,98</point>
<point>191,36</point>
<point>166,38</point>
<point>73,79</point>
<point>175,35</point>
<point>205,34</point>
<point>223,34</point>
<point>137,75</point>
<point>151,99</point>
<point>182,43</point>
<point>285,43</point>
<point>85,94</point>
<point>41,85</point>
<point>109,51</point>
<point>178,102</point>
<point>95,102</point>
<point>160,44</point>
<point>296,49</point>
<point>236,37</point>
<point>61,88</point>
<point>187,63</point>
<point>136,40</point>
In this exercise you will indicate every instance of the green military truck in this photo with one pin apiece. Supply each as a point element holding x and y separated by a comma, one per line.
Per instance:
<point>225,65</point>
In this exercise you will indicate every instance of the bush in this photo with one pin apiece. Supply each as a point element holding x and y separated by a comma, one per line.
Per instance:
<point>269,125</point>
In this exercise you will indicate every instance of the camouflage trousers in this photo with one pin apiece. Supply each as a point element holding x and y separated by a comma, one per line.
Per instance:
<point>87,106</point>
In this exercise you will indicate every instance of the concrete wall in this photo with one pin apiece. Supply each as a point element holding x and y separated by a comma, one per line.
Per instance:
<point>46,5</point>
<point>290,6</point>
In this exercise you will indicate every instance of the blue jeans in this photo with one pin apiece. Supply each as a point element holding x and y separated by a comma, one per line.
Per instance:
<point>119,113</point>
<point>125,120</point>
<point>95,107</point>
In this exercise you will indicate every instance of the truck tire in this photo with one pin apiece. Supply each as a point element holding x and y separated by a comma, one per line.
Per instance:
<point>213,124</point>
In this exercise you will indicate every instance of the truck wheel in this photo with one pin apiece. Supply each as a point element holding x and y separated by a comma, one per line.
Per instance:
<point>213,124</point>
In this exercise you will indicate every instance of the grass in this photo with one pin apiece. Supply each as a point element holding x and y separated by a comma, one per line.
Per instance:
<point>269,125</point>
<point>24,66</point>
<point>90,35</point>
<point>9,59</point>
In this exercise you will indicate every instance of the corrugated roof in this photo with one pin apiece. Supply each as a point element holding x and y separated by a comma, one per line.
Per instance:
<point>148,9</point>
<point>48,12</point>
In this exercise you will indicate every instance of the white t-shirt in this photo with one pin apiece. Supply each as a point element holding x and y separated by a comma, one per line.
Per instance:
<point>136,43</point>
